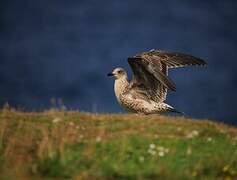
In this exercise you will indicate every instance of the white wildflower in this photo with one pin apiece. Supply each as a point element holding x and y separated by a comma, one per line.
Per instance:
<point>189,151</point>
<point>161,153</point>
<point>152,146</point>
<point>192,134</point>
<point>151,151</point>
<point>166,150</point>
<point>222,131</point>
<point>71,123</point>
<point>81,136</point>
<point>209,139</point>
<point>189,136</point>
<point>195,132</point>
<point>56,120</point>
<point>156,136</point>
<point>98,139</point>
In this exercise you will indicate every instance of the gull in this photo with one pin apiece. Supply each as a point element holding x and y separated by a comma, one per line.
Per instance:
<point>146,92</point>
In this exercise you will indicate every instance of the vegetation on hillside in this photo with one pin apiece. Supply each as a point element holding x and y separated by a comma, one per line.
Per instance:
<point>69,144</point>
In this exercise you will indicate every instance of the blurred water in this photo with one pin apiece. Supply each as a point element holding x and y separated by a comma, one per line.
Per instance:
<point>64,49</point>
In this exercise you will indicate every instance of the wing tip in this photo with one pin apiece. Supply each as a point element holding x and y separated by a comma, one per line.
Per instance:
<point>201,62</point>
<point>172,88</point>
<point>171,85</point>
<point>133,58</point>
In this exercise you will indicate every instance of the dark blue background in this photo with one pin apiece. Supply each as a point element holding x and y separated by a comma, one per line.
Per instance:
<point>64,49</point>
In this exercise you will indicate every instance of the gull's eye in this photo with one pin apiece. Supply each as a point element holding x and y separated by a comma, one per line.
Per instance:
<point>120,71</point>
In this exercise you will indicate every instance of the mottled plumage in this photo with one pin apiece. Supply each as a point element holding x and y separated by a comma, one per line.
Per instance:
<point>147,90</point>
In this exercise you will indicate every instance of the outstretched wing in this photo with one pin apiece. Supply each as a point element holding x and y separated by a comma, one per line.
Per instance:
<point>172,59</point>
<point>151,72</point>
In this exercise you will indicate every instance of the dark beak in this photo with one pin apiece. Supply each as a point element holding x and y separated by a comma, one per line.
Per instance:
<point>110,74</point>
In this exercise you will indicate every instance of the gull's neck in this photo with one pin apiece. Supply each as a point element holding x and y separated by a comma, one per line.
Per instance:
<point>120,86</point>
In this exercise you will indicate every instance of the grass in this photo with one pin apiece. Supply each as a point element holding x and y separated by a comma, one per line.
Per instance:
<point>68,144</point>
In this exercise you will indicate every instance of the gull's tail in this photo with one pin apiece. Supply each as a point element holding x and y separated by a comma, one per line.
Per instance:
<point>163,107</point>
<point>176,111</point>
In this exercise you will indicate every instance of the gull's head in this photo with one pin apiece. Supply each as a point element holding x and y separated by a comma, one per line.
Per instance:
<point>118,73</point>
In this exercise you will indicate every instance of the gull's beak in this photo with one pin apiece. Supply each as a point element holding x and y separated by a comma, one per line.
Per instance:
<point>110,74</point>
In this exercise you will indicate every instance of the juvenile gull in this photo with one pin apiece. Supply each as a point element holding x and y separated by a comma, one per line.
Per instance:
<point>146,92</point>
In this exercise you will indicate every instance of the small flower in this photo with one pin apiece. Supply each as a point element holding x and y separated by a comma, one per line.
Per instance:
<point>152,152</point>
<point>80,138</point>
<point>209,139</point>
<point>156,136</point>
<point>56,120</point>
<point>160,150</point>
<point>98,139</point>
<point>166,150</point>
<point>192,134</point>
<point>195,132</point>
<point>152,146</point>
<point>161,153</point>
<point>189,151</point>
<point>189,136</point>
<point>226,168</point>
<point>222,131</point>
<point>71,123</point>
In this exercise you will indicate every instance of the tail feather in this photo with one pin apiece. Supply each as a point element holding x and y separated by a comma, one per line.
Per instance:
<point>163,107</point>
<point>176,111</point>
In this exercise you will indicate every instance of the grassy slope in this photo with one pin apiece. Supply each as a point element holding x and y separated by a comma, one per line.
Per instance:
<point>88,146</point>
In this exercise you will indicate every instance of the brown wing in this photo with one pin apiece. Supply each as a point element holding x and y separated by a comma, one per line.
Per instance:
<point>172,59</point>
<point>151,72</point>
<point>149,80</point>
